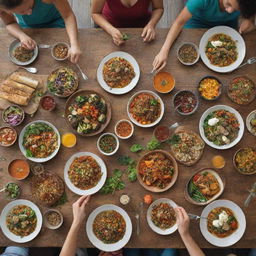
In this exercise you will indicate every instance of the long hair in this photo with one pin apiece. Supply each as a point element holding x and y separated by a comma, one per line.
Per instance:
<point>10,4</point>
<point>247,8</point>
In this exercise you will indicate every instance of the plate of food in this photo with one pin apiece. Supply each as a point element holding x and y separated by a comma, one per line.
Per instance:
<point>244,160</point>
<point>223,224</point>
<point>118,73</point>
<point>20,55</point>
<point>241,90</point>
<point>251,122</point>
<point>21,221</point>
<point>88,112</point>
<point>205,186</point>
<point>109,228</point>
<point>161,216</point>
<point>221,127</point>
<point>157,171</point>
<point>39,141</point>
<point>47,188</point>
<point>62,82</point>
<point>222,49</point>
<point>145,108</point>
<point>186,146</point>
<point>85,173</point>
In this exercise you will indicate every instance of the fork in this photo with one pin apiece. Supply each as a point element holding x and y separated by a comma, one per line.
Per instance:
<point>85,77</point>
<point>251,195</point>
<point>196,217</point>
<point>137,217</point>
<point>249,61</point>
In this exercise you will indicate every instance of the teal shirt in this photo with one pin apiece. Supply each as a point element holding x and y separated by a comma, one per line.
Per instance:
<point>43,16</point>
<point>207,14</point>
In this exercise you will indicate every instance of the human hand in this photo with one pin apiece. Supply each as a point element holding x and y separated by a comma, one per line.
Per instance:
<point>148,34</point>
<point>182,220</point>
<point>246,26</point>
<point>74,53</point>
<point>27,42</point>
<point>79,210</point>
<point>117,37</point>
<point>160,61</point>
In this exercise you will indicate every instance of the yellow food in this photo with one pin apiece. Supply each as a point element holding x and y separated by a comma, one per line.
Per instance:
<point>68,140</point>
<point>209,88</point>
<point>218,162</point>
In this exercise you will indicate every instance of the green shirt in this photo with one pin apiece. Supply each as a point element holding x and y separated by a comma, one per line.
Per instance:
<point>43,16</point>
<point>207,14</point>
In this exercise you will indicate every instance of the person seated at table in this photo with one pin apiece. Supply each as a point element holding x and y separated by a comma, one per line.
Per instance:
<point>113,14</point>
<point>40,14</point>
<point>207,14</point>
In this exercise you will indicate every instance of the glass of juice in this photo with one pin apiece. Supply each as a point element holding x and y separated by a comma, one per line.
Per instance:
<point>68,140</point>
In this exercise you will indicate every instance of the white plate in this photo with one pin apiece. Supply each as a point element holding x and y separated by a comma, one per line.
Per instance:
<point>231,110</point>
<point>234,237</point>
<point>153,226</point>
<point>98,243</point>
<point>34,159</point>
<point>127,88</point>
<point>161,104</point>
<point>90,191</point>
<point>241,48</point>
<point>12,236</point>
<point>248,121</point>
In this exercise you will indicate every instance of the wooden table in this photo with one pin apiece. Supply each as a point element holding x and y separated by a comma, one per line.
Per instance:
<point>95,45</point>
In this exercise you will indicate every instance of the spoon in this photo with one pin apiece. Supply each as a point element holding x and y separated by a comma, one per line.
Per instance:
<point>249,61</point>
<point>3,189</point>
<point>85,77</point>
<point>196,217</point>
<point>30,69</point>
<point>44,46</point>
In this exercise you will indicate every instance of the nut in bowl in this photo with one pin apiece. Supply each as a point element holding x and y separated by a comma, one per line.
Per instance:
<point>8,136</point>
<point>124,129</point>
<point>108,144</point>
<point>13,115</point>
<point>188,53</point>
<point>59,51</point>
<point>210,88</point>
<point>164,82</point>
<point>53,219</point>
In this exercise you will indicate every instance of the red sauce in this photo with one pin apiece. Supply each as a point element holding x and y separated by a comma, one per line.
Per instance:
<point>48,103</point>
<point>7,136</point>
<point>186,101</point>
<point>162,133</point>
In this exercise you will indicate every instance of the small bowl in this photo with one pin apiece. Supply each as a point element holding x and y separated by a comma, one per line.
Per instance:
<point>48,98</point>
<point>162,80</point>
<point>56,45</point>
<point>251,116</point>
<point>162,130</point>
<point>14,166</point>
<point>16,136</point>
<point>220,88</point>
<point>22,115</point>
<point>49,225</point>
<point>117,144</point>
<point>126,121</point>
<point>7,196</point>
<point>181,92</point>
<point>195,47</point>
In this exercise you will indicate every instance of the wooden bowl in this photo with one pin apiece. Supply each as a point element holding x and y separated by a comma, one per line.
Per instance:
<point>174,178</point>
<point>220,179</point>
<point>235,165</point>
<point>83,93</point>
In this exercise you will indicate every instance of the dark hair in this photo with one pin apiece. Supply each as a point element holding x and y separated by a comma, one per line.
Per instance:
<point>10,4</point>
<point>247,8</point>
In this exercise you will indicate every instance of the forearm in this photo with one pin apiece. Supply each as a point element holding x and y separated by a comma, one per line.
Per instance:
<point>71,27</point>
<point>101,21</point>
<point>155,17</point>
<point>70,244</point>
<point>15,30</point>
<point>192,247</point>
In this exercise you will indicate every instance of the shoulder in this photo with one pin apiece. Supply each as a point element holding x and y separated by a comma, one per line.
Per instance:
<point>195,5</point>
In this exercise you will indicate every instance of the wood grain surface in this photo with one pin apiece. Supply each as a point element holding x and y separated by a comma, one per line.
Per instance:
<point>95,45</point>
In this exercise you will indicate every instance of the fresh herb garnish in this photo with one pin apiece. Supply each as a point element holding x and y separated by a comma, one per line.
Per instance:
<point>153,144</point>
<point>136,148</point>
<point>62,200</point>
<point>125,160</point>
<point>175,139</point>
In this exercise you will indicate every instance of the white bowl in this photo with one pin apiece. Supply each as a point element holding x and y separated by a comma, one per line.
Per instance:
<point>233,111</point>
<point>90,191</point>
<point>158,119</point>
<point>248,121</point>
<point>127,88</point>
<point>117,144</point>
<point>12,236</point>
<point>98,243</point>
<point>241,48</point>
<point>153,226</point>
<point>34,159</point>
<point>47,224</point>
<point>188,63</point>
<point>127,121</point>
<point>234,237</point>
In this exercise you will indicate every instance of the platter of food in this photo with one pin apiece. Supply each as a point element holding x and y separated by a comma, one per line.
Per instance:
<point>88,112</point>
<point>157,171</point>
<point>109,228</point>
<point>222,49</point>
<point>224,223</point>
<point>251,122</point>
<point>85,173</point>
<point>118,73</point>
<point>20,55</point>
<point>161,216</point>
<point>62,82</point>
<point>39,141</point>
<point>221,127</point>
<point>145,108</point>
<point>21,221</point>
<point>205,186</point>
<point>186,146</point>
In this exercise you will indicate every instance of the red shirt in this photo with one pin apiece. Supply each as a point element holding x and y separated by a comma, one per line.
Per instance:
<point>120,16</point>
